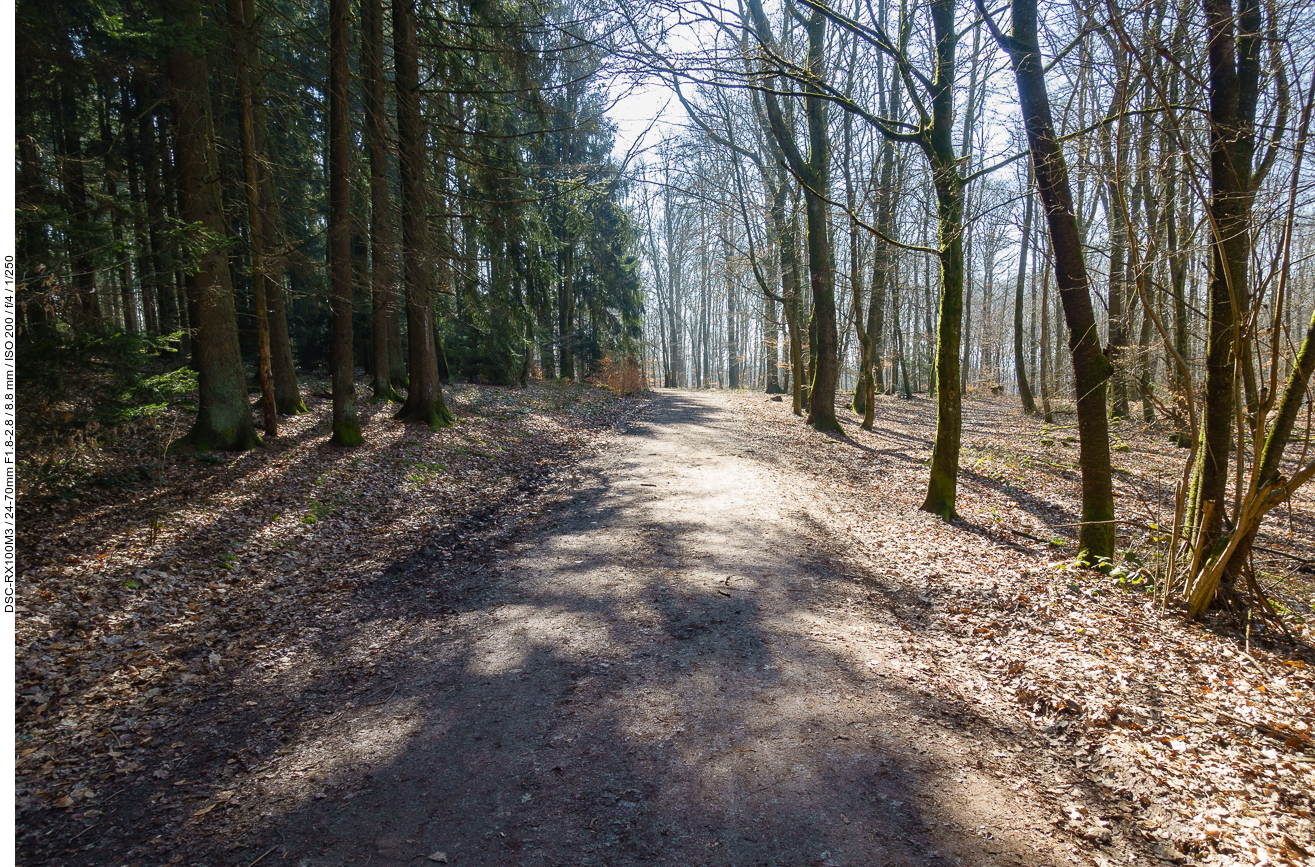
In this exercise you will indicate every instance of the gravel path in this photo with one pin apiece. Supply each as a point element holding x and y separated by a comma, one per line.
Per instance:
<point>680,662</point>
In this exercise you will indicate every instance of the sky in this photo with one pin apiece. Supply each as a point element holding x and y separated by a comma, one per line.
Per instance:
<point>643,111</point>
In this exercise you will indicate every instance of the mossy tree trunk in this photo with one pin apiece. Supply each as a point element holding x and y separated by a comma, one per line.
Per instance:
<point>1091,369</point>
<point>942,486</point>
<point>934,136</point>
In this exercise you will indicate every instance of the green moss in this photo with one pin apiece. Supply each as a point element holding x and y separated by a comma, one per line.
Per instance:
<point>292,407</point>
<point>435,416</point>
<point>387,394</point>
<point>204,437</point>
<point>347,433</point>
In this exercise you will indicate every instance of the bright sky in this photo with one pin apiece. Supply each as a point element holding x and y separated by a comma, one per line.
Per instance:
<point>636,107</point>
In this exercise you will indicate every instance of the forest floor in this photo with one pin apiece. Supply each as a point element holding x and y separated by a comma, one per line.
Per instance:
<point>675,629</point>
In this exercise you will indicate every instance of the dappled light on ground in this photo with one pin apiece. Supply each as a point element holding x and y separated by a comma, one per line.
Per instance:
<point>717,638</point>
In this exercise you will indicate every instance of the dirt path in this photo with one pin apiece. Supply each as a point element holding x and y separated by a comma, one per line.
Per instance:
<point>682,628</point>
<point>680,664</point>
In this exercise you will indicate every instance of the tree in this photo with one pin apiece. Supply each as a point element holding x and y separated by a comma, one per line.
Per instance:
<point>224,418</point>
<point>814,176</point>
<point>346,426</point>
<point>1020,367</point>
<point>1235,46</point>
<point>384,336</point>
<point>243,57</point>
<point>424,397</point>
<point>1091,368</point>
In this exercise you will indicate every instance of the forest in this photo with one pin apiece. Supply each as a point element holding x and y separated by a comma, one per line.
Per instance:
<point>893,416</point>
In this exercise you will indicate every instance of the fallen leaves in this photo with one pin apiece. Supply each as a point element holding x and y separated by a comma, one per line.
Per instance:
<point>141,605</point>
<point>1207,742</point>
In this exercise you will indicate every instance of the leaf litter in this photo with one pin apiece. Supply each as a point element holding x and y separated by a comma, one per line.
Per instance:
<point>1198,738</point>
<point>139,606</point>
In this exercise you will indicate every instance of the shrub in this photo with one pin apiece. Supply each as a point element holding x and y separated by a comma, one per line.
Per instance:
<point>620,374</point>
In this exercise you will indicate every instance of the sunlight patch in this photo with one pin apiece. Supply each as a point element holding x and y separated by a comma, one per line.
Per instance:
<point>524,632</point>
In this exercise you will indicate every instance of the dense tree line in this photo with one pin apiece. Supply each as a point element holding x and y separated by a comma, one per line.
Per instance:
<point>252,189</point>
<point>1099,208</point>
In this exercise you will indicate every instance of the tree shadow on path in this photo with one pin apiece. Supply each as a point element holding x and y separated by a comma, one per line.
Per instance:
<point>651,674</point>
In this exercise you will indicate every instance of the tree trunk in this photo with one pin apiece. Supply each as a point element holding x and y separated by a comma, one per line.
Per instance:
<point>814,173</point>
<point>863,378</point>
<point>942,486</point>
<point>732,341</point>
<point>127,299</point>
<point>424,397</point>
<point>346,425</point>
<point>144,220</point>
<point>32,197</point>
<point>1234,86</point>
<point>543,321</point>
<point>1091,369</point>
<point>141,238</point>
<point>1020,365</point>
<point>928,308</point>
<point>383,301</point>
<point>1144,276</point>
<point>788,251</point>
<point>899,370</point>
<point>566,306</point>
<point>1044,373</point>
<point>173,298</point>
<point>822,393</point>
<point>1146,370</point>
<point>965,156</point>
<point>86,312</point>
<point>772,345</point>
<point>1118,289</point>
<point>244,56</point>
<point>883,259</point>
<point>1177,203</point>
<point>224,417</point>
<point>287,393</point>
<point>156,257</point>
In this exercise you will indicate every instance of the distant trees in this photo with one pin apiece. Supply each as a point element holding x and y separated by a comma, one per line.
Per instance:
<point>1152,132</point>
